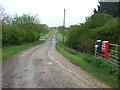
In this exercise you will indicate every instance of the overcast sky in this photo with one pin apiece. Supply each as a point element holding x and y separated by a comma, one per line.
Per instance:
<point>51,12</point>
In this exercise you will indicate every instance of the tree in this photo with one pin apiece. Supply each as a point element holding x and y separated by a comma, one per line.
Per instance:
<point>2,14</point>
<point>95,11</point>
<point>21,29</point>
<point>98,26</point>
<point>25,21</point>
<point>61,28</point>
<point>109,7</point>
<point>1,17</point>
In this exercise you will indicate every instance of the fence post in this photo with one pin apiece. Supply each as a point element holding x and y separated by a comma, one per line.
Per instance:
<point>96,46</point>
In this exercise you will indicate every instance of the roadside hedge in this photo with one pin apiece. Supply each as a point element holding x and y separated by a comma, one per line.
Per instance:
<point>22,29</point>
<point>103,26</point>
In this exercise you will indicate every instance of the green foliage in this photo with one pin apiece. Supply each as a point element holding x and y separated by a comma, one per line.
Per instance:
<point>97,20</point>
<point>73,36</point>
<point>25,21</point>
<point>47,34</point>
<point>99,26</point>
<point>59,36</point>
<point>44,29</point>
<point>23,29</point>
<point>61,29</point>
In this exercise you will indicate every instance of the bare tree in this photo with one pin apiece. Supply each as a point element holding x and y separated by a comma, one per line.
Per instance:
<point>2,13</point>
<point>7,19</point>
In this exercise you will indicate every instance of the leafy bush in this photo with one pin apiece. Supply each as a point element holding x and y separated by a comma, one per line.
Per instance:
<point>16,35</point>
<point>6,36</point>
<point>99,26</point>
<point>23,29</point>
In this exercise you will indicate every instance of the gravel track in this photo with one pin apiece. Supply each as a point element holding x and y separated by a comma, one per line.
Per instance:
<point>43,67</point>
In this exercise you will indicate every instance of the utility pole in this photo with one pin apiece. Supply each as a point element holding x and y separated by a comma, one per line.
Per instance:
<point>64,26</point>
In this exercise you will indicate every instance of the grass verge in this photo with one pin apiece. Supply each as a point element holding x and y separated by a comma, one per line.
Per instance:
<point>99,69</point>
<point>11,50</point>
<point>103,71</point>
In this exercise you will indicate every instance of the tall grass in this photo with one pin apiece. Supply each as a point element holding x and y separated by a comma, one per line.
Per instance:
<point>98,26</point>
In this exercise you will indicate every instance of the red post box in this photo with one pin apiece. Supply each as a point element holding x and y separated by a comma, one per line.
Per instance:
<point>105,47</point>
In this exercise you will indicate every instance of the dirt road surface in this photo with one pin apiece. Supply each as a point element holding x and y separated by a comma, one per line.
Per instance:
<point>43,67</point>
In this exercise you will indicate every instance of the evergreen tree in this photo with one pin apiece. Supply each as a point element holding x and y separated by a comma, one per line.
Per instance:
<point>109,7</point>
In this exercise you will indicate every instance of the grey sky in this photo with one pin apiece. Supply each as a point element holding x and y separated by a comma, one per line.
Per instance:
<point>50,12</point>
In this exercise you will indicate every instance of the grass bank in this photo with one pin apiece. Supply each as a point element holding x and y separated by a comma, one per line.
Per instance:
<point>8,51</point>
<point>103,71</point>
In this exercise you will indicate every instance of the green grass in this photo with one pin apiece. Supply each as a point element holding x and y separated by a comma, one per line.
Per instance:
<point>47,35</point>
<point>96,67</point>
<point>0,54</point>
<point>8,51</point>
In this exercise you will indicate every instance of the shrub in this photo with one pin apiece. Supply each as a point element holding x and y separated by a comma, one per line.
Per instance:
<point>99,26</point>
<point>6,36</point>
<point>23,29</point>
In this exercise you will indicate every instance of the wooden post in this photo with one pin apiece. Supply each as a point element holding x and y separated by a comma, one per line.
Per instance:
<point>64,26</point>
